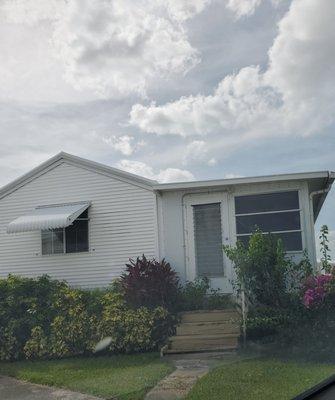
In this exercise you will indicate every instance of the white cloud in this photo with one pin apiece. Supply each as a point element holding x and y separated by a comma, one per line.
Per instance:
<point>195,150</point>
<point>294,95</point>
<point>232,176</point>
<point>301,65</point>
<point>182,10</point>
<point>163,176</point>
<point>243,8</point>
<point>122,46</point>
<point>239,101</point>
<point>212,161</point>
<point>246,8</point>
<point>31,12</point>
<point>175,175</point>
<point>109,47</point>
<point>125,144</point>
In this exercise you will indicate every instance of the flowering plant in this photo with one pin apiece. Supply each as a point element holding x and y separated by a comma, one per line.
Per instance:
<point>316,288</point>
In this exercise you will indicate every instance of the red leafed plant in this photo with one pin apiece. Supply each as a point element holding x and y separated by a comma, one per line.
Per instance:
<point>150,283</point>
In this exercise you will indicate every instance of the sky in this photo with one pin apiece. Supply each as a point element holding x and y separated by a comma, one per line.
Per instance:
<point>173,90</point>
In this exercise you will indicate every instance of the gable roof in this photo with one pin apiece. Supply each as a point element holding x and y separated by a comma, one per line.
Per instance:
<point>80,162</point>
<point>319,180</point>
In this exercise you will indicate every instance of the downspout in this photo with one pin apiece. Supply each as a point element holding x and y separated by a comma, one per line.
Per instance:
<point>311,196</point>
<point>159,226</point>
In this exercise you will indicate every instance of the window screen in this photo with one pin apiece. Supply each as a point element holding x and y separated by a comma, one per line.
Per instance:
<point>277,213</point>
<point>72,239</point>
<point>208,239</point>
<point>53,241</point>
<point>267,202</point>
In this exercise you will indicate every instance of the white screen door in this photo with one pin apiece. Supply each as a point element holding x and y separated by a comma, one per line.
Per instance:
<point>206,231</point>
<point>208,239</point>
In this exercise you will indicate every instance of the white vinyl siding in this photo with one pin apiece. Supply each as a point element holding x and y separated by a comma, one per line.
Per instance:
<point>122,225</point>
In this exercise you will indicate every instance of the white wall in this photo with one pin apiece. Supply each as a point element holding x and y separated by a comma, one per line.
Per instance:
<point>172,219</point>
<point>122,225</point>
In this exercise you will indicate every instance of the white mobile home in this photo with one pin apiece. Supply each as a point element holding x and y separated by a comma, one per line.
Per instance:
<point>81,221</point>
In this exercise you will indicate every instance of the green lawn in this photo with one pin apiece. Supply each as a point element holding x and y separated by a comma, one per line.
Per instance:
<point>259,380</point>
<point>124,376</point>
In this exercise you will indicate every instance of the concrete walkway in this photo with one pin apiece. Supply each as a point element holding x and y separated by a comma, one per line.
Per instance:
<point>12,389</point>
<point>189,368</point>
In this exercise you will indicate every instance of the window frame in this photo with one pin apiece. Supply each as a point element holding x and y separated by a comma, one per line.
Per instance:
<point>273,191</point>
<point>64,252</point>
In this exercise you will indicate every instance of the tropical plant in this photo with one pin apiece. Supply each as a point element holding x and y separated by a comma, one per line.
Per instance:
<point>150,283</point>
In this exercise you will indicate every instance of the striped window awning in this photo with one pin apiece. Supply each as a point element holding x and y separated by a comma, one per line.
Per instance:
<point>48,217</point>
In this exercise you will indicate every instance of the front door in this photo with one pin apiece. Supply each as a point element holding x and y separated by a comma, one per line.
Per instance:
<point>206,230</point>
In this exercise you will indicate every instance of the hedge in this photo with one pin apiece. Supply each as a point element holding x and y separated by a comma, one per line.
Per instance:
<point>45,318</point>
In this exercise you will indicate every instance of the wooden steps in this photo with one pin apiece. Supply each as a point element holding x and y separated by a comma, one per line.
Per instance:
<point>216,330</point>
<point>203,328</point>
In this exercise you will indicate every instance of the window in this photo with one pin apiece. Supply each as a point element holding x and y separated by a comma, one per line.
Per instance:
<point>72,239</point>
<point>208,239</point>
<point>278,213</point>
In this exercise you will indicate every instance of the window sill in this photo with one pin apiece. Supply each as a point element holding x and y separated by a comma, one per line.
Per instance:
<point>65,254</point>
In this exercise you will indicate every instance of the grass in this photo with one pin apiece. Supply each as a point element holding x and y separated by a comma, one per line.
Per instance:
<point>259,380</point>
<point>125,377</point>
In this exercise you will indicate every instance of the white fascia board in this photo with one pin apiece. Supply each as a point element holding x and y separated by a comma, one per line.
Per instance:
<point>239,181</point>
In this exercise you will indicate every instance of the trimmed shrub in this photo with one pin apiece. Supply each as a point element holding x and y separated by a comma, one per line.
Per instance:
<point>37,346</point>
<point>24,304</point>
<point>132,330</point>
<point>59,321</point>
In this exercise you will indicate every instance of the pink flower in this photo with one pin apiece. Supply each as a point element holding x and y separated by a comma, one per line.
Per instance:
<point>308,298</point>
<point>316,289</point>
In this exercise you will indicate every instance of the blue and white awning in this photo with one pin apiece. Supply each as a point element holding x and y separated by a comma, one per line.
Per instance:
<point>48,217</point>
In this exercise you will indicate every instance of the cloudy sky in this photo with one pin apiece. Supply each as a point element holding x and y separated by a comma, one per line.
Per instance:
<point>170,89</point>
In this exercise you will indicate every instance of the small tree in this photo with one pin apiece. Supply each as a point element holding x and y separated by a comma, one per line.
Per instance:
<point>261,269</point>
<point>324,247</point>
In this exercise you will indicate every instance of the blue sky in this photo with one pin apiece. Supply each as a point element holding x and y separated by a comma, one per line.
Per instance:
<point>173,90</point>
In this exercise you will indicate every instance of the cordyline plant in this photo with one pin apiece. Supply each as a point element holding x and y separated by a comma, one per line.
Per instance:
<point>150,283</point>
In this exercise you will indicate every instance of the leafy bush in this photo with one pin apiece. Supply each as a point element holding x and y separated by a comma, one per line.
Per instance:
<point>44,318</point>
<point>291,308</point>
<point>24,304</point>
<point>37,346</point>
<point>149,283</point>
<point>272,284</point>
<point>132,330</point>
<point>198,295</point>
<point>265,321</point>
<point>264,272</point>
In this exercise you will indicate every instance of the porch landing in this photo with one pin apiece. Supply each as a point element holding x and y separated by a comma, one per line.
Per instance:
<point>203,331</point>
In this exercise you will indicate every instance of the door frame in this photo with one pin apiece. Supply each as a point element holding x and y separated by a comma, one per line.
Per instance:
<point>221,281</point>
